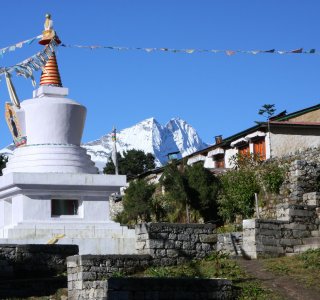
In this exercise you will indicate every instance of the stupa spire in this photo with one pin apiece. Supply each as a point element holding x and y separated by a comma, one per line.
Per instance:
<point>50,75</point>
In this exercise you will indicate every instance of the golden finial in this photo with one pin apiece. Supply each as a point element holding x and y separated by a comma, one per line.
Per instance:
<point>48,34</point>
<point>51,76</point>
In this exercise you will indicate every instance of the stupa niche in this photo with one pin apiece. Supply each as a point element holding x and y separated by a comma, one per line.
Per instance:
<point>50,186</point>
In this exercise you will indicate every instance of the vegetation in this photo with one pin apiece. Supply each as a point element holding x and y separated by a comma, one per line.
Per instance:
<point>203,188</point>
<point>237,194</point>
<point>304,267</point>
<point>268,110</point>
<point>137,202</point>
<point>249,176</point>
<point>217,265</point>
<point>177,192</point>
<point>184,194</point>
<point>193,189</point>
<point>133,162</point>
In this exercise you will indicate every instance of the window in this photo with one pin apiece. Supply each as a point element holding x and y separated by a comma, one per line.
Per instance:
<point>259,148</point>
<point>219,161</point>
<point>63,207</point>
<point>244,150</point>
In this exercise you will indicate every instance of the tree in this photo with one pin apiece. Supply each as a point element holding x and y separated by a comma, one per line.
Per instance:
<point>268,110</point>
<point>137,204</point>
<point>3,162</point>
<point>203,191</point>
<point>193,189</point>
<point>238,187</point>
<point>133,162</point>
<point>110,167</point>
<point>177,189</point>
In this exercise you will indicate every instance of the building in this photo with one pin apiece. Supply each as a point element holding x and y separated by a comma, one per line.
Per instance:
<point>282,135</point>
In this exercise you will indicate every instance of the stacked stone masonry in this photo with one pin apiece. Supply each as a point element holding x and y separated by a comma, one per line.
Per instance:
<point>90,277</point>
<point>230,243</point>
<point>29,270</point>
<point>171,244</point>
<point>296,230</point>
<point>88,274</point>
<point>303,175</point>
<point>34,260</point>
<point>158,244</point>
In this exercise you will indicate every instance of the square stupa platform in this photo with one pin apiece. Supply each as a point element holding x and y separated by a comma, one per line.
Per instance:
<point>51,190</point>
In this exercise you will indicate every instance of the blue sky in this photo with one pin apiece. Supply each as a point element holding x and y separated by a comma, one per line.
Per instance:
<point>215,93</point>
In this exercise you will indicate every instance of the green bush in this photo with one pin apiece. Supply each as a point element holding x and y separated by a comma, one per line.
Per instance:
<point>237,194</point>
<point>137,202</point>
<point>272,176</point>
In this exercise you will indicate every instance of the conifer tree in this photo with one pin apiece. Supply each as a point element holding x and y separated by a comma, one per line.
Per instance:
<point>133,162</point>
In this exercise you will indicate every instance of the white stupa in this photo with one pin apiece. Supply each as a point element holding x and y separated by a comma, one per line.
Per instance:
<point>51,190</point>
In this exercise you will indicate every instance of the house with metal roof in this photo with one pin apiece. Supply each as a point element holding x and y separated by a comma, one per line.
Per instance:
<point>281,135</point>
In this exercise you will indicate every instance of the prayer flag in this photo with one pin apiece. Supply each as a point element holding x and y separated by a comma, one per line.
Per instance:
<point>230,52</point>
<point>297,50</point>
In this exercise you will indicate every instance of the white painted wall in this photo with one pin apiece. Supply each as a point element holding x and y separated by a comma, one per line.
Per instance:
<point>283,143</point>
<point>228,154</point>
<point>52,118</point>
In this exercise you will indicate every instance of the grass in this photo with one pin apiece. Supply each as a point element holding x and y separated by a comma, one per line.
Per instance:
<point>217,265</point>
<point>304,267</point>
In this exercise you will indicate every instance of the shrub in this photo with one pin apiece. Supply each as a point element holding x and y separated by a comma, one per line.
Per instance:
<point>237,194</point>
<point>137,202</point>
<point>272,176</point>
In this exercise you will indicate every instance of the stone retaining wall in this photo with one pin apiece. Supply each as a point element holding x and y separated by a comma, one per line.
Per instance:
<point>158,288</point>
<point>20,261</point>
<point>302,176</point>
<point>87,274</point>
<point>33,270</point>
<point>296,230</point>
<point>230,243</point>
<point>158,244</point>
<point>170,244</point>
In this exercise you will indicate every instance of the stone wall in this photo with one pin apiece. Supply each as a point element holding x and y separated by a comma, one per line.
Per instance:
<point>296,230</point>
<point>30,270</point>
<point>303,175</point>
<point>19,261</point>
<point>170,244</point>
<point>158,244</point>
<point>158,288</point>
<point>230,243</point>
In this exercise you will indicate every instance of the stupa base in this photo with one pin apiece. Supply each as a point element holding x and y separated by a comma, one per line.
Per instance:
<point>71,208</point>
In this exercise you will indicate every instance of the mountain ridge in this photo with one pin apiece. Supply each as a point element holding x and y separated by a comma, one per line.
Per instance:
<point>151,137</point>
<point>147,135</point>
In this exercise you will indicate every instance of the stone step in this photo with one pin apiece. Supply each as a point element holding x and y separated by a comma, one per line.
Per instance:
<point>308,243</point>
<point>311,241</point>
<point>69,232</point>
<point>315,233</point>
<point>286,212</point>
<point>312,199</point>
<point>303,248</point>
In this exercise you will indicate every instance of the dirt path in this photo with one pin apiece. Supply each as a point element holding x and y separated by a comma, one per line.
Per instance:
<point>282,285</point>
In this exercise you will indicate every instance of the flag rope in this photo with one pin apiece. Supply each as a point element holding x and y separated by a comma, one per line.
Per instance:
<point>31,64</point>
<point>194,50</point>
<point>18,45</point>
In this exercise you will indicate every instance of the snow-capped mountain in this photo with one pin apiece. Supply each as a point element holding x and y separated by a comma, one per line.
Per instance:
<point>151,137</point>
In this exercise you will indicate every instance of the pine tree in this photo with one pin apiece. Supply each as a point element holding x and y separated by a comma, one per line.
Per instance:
<point>203,191</point>
<point>137,202</point>
<point>133,162</point>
